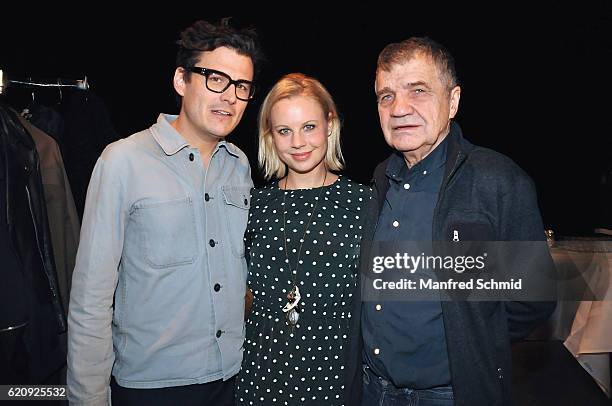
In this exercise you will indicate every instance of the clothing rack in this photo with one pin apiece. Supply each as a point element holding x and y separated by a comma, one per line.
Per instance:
<point>80,84</point>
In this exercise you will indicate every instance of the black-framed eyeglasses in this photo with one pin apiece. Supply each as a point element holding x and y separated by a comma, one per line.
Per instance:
<point>218,82</point>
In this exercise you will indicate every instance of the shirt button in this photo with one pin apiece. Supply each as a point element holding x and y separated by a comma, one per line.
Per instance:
<point>378,307</point>
<point>211,242</point>
<point>206,197</point>
<point>406,186</point>
<point>396,224</point>
<point>191,157</point>
<point>217,287</point>
<point>376,351</point>
<point>246,202</point>
<point>424,172</point>
<point>219,332</point>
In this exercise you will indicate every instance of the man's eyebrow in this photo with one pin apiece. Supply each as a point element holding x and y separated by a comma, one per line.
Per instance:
<point>408,85</point>
<point>416,84</point>
<point>385,89</point>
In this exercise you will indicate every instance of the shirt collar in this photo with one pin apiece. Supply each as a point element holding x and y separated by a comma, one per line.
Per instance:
<point>172,142</point>
<point>397,169</point>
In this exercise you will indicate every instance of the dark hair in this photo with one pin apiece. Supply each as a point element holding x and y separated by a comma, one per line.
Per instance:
<point>401,52</point>
<point>204,36</point>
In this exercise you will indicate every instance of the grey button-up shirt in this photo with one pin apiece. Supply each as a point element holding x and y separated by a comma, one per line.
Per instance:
<point>162,238</point>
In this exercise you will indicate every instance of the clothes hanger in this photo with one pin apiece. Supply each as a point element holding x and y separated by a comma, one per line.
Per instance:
<point>59,88</point>
<point>27,111</point>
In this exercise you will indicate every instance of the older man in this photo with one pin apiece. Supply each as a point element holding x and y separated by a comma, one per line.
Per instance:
<point>437,186</point>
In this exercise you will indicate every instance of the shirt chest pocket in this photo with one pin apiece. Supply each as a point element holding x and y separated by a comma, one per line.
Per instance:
<point>167,232</point>
<point>237,202</point>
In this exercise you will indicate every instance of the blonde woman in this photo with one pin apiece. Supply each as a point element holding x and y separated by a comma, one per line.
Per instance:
<point>303,239</point>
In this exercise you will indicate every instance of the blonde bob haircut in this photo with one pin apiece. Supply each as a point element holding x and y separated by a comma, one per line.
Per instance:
<point>291,85</point>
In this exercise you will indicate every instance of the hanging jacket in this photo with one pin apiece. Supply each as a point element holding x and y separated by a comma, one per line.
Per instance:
<point>87,131</point>
<point>30,237</point>
<point>63,219</point>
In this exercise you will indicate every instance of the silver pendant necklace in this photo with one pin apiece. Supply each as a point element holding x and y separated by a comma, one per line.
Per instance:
<point>291,309</point>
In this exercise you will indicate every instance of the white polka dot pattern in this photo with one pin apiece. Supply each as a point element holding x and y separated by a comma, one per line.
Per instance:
<point>304,365</point>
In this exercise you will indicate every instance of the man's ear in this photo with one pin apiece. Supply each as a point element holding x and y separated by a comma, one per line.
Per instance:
<point>179,81</point>
<point>455,95</point>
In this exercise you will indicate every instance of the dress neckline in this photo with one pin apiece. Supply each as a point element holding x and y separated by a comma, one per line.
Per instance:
<point>277,186</point>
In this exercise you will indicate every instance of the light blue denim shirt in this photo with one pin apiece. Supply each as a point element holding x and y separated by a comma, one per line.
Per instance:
<point>162,237</point>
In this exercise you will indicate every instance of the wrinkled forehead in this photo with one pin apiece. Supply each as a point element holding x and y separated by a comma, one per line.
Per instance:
<point>419,67</point>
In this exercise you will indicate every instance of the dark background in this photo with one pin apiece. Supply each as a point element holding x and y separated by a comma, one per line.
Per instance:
<point>535,77</point>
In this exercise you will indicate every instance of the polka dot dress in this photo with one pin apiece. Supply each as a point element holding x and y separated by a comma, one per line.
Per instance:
<point>303,365</point>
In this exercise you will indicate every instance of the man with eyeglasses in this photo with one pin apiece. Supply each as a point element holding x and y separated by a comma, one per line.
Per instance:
<point>158,290</point>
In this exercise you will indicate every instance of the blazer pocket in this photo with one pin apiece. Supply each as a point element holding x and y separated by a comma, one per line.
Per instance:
<point>468,226</point>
